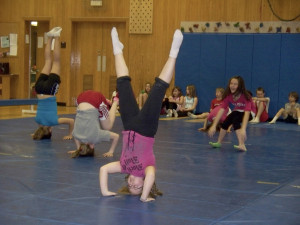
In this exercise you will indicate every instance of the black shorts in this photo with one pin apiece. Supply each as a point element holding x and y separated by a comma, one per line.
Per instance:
<point>47,84</point>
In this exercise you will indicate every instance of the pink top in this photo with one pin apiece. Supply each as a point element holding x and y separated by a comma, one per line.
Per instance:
<point>137,153</point>
<point>241,104</point>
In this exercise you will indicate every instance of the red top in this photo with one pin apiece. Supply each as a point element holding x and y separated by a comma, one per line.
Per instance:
<point>97,100</point>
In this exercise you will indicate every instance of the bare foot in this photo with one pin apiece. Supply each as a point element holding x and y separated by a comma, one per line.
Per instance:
<point>240,148</point>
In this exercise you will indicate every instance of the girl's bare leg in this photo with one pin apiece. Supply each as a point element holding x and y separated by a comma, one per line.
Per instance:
<point>56,57</point>
<point>241,141</point>
<point>47,55</point>
<point>278,114</point>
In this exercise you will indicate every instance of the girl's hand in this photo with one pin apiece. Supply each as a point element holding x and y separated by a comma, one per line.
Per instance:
<point>69,137</point>
<point>109,193</point>
<point>108,154</point>
<point>147,199</point>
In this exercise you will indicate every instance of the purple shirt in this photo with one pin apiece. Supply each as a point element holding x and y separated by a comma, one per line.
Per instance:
<point>241,104</point>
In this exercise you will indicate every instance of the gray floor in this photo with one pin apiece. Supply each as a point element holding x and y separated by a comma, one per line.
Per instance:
<point>40,184</point>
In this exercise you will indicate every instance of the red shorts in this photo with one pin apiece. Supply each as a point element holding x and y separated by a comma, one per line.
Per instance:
<point>264,115</point>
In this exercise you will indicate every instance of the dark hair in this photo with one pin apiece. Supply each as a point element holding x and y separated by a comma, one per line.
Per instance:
<point>295,95</point>
<point>42,133</point>
<point>150,87</point>
<point>179,90</point>
<point>154,192</point>
<point>250,93</point>
<point>241,88</point>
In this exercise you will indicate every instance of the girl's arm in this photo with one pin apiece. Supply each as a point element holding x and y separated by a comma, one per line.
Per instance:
<point>113,167</point>
<point>195,103</point>
<point>261,99</point>
<point>70,122</point>
<point>148,183</point>
<point>180,101</point>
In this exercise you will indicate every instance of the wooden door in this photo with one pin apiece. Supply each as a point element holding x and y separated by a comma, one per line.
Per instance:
<point>92,60</point>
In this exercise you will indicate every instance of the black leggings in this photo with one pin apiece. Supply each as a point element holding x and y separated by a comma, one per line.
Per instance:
<point>169,105</point>
<point>144,121</point>
<point>235,118</point>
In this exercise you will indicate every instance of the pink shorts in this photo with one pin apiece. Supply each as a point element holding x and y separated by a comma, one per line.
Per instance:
<point>214,113</point>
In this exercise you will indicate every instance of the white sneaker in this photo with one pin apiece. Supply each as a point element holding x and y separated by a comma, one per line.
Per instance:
<point>175,113</point>
<point>55,32</point>
<point>169,114</point>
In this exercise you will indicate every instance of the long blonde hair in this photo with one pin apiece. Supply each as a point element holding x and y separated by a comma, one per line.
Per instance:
<point>192,91</point>
<point>154,192</point>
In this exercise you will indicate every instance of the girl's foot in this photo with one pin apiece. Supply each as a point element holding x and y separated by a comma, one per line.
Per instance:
<point>241,148</point>
<point>175,113</point>
<point>169,114</point>
<point>255,120</point>
<point>215,144</point>
<point>55,32</point>
<point>191,115</point>
<point>177,40</point>
<point>117,44</point>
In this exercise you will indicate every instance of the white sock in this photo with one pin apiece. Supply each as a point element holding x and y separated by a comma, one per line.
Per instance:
<point>117,45</point>
<point>177,40</point>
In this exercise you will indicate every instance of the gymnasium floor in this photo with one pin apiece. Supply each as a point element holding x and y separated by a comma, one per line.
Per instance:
<point>41,184</point>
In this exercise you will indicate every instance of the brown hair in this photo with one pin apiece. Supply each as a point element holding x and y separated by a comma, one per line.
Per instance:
<point>42,133</point>
<point>260,89</point>
<point>84,150</point>
<point>220,89</point>
<point>295,95</point>
<point>179,90</point>
<point>241,87</point>
<point>192,90</point>
<point>154,192</point>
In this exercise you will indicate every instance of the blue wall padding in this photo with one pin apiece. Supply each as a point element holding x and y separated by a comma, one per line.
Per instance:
<point>290,67</point>
<point>266,66</point>
<point>239,56</point>
<point>271,61</point>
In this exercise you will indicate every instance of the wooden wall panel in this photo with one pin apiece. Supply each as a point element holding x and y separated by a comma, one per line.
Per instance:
<point>147,53</point>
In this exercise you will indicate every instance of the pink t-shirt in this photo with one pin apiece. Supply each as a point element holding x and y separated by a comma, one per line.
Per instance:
<point>137,153</point>
<point>241,104</point>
